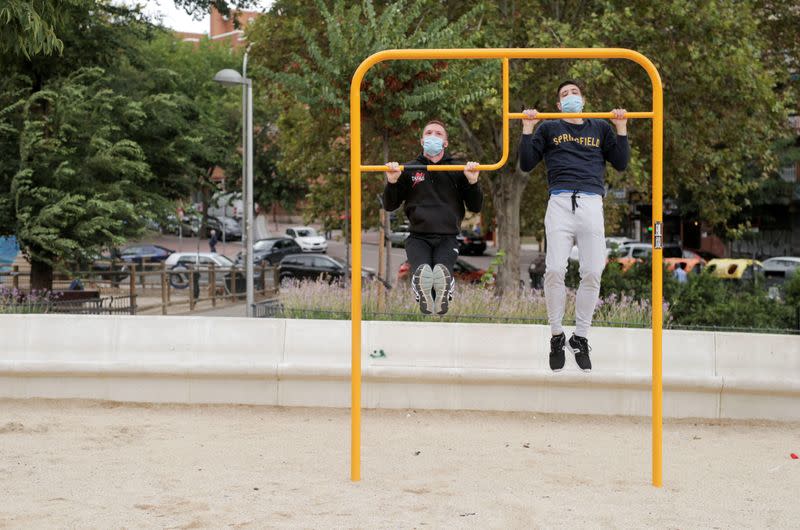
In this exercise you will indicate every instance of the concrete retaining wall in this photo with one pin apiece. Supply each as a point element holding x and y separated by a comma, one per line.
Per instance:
<point>426,365</point>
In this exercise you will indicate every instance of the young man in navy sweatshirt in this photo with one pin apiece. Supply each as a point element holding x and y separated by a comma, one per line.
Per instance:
<point>575,152</point>
<point>434,206</point>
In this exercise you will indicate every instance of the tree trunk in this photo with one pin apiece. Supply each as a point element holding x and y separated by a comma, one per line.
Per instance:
<point>41,275</point>
<point>507,187</point>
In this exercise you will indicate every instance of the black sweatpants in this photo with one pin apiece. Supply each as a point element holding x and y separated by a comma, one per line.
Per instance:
<point>431,249</point>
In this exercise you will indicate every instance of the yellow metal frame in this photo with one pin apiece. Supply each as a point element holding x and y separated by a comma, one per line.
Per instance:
<point>505,54</point>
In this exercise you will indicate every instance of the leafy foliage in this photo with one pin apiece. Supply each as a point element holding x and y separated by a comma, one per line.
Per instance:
<point>80,183</point>
<point>29,27</point>
<point>101,140</point>
<point>398,97</point>
<point>704,300</point>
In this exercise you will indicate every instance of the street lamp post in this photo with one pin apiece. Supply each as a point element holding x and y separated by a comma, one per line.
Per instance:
<point>231,77</point>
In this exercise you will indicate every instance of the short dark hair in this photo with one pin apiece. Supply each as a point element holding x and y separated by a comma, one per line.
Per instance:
<point>435,122</point>
<point>682,265</point>
<point>565,83</point>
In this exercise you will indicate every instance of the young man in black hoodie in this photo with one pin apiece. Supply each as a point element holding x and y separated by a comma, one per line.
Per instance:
<point>575,151</point>
<point>435,208</point>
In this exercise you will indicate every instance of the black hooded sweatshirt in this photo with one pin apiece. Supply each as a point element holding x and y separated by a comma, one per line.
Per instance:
<point>434,199</point>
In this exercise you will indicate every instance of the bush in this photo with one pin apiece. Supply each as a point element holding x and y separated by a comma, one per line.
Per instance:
<point>636,283</point>
<point>791,290</point>
<point>704,300</point>
<point>709,301</point>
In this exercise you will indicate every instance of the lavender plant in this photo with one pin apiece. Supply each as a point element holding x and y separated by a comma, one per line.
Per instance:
<point>472,303</point>
<point>14,300</point>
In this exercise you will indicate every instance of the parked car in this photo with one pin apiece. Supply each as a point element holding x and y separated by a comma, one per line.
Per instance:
<point>180,263</point>
<point>271,251</point>
<point>316,267</point>
<point>470,243</point>
<point>735,269</point>
<point>228,228</point>
<point>110,267</point>
<point>187,226</point>
<point>398,236</point>
<point>631,253</point>
<point>308,239</point>
<point>781,267</point>
<point>145,254</point>
<point>198,259</point>
<point>612,244</point>
<point>463,271</point>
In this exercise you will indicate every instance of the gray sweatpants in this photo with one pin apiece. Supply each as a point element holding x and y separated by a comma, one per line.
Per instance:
<point>564,228</point>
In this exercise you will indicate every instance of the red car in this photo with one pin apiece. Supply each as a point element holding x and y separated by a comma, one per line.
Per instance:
<point>463,271</point>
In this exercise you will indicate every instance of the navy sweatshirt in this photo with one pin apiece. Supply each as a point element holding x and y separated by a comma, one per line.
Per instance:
<point>434,199</point>
<point>575,155</point>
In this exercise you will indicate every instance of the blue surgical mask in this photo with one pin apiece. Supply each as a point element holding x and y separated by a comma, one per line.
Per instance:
<point>572,103</point>
<point>432,145</point>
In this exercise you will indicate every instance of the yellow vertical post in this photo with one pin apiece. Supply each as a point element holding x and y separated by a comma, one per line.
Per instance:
<point>657,272</point>
<point>505,111</point>
<point>355,275</point>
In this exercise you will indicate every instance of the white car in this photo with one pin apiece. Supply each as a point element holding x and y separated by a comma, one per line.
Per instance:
<point>308,239</point>
<point>179,264</point>
<point>645,250</point>
<point>612,244</point>
<point>783,266</point>
<point>198,259</point>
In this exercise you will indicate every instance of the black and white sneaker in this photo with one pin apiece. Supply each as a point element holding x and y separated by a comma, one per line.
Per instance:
<point>443,285</point>
<point>421,284</point>
<point>579,346</point>
<point>557,352</point>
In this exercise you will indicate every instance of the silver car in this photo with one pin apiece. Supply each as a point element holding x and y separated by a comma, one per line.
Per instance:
<point>781,267</point>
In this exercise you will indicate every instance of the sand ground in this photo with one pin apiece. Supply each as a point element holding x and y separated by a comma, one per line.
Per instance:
<point>80,464</point>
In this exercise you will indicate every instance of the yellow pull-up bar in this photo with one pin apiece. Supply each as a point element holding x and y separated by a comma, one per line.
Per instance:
<point>505,54</point>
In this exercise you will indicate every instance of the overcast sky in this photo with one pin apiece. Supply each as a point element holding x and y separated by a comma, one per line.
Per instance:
<point>177,19</point>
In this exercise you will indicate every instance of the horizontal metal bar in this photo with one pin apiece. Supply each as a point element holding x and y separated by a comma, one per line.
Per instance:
<point>507,53</point>
<point>570,115</point>
<point>433,167</point>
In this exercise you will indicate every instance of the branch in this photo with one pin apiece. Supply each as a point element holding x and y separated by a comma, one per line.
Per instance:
<point>474,143</point>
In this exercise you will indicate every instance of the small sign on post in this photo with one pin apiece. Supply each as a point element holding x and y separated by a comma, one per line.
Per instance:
<point>658,235</point>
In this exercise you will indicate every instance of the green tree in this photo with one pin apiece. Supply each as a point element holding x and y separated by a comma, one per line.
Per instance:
<point>14,90</point>
<point>29,27</point>
<point>724,113</point>
<point>398,97</point>
<point>713,159</point>
<point>195,123</point>
<point>91,33</point>
<point>717,68</point>
<point>34,27</point>
<point>140,125</point>
<point>82,184</point>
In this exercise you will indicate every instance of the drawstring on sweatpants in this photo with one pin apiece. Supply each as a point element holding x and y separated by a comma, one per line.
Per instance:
<point>574,200</point>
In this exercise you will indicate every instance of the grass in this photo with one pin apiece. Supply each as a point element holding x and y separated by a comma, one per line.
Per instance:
<point>471,303</point>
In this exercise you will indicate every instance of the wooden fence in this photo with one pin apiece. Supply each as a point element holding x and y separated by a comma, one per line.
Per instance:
<point>152,288</point>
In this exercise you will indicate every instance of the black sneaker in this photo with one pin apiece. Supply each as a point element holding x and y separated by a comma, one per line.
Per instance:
<point>421,284</point>
<point>580,347</point>
<point>557,352</point>
<point>443,285</point>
